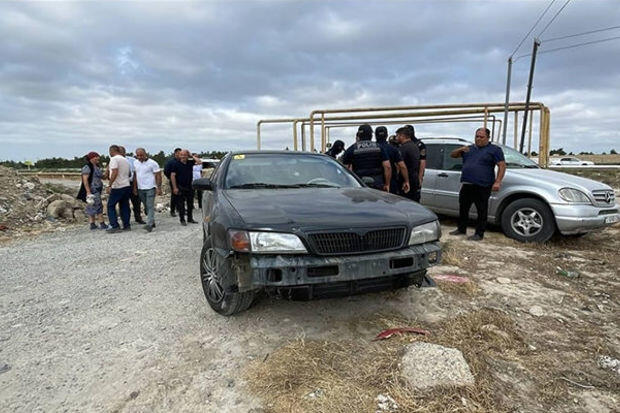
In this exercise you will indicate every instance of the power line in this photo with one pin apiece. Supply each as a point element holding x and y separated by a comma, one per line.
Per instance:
<point>571,46</point>
<point>533,27</point>
<point>553,18</point>
<point>580,34</point>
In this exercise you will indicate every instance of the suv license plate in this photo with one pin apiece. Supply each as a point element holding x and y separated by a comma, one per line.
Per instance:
<point>612,219</point>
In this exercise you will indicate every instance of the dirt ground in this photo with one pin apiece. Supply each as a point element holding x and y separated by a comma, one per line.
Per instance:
<point>92,325</point>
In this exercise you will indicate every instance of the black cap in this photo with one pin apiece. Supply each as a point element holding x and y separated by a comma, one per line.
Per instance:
<point>381,133</point>
<point>364,132</point>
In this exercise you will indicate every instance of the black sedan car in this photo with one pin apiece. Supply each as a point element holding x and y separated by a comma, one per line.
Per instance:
<point>296,223</point>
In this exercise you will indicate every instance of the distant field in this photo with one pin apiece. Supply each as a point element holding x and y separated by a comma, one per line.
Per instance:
<point>610,177</point>
<point>601,159</point>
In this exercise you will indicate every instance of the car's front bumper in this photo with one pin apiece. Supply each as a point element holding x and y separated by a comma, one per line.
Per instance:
<point>258,271</point>
<point>578,219</point>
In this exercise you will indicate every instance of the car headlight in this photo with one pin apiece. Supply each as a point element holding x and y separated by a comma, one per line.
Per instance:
<point>574,196</point>
<point>266,242</point>
<point>425,233</point>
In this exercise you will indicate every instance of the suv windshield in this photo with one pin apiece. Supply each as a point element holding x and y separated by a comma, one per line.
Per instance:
<point>287,171</point>
<point>515,159</point>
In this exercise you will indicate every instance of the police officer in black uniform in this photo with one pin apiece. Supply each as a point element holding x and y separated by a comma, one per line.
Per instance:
<point>367,158</point>
<point>422,150</point>
<point>399,169</point>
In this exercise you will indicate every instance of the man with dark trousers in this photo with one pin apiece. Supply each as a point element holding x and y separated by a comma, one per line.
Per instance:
<point>134,198</point>
<point>411,156</point>
<point>181,174</point>
<point>396,162</point>
<point>478,180</point>
<point>422,148</point>
<point>367,158</point>
<point>167,167</point>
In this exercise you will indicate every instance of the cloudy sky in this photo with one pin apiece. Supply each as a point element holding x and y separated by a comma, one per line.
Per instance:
<point>78,76</point>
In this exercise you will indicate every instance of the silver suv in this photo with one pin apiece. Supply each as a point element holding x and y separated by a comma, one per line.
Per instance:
<point>532,203</point>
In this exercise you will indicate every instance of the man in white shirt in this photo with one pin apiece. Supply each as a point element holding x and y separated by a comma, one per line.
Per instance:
<point>146,184</point>
<point>119,190</point>
<point>135,200</point>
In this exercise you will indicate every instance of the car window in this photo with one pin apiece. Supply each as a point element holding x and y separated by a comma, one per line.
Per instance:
<point>449,163</point>
<point>287,170</point>
<point>434,156</point>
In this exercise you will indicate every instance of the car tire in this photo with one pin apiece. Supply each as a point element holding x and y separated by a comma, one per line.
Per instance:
<point>215,270</point>
<point>528,220</point>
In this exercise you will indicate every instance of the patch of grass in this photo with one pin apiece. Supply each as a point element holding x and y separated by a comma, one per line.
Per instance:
<point>351,373</point>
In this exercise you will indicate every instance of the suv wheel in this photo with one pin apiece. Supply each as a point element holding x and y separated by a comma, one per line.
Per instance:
<point>528,220</point>
<point>215,275</point>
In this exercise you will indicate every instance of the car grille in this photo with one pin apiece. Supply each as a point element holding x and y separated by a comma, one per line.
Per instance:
<point>332,243</point>
<point>605,197</point>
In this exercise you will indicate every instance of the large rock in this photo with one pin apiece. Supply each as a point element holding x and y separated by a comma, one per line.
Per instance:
<point>60,209</point>
<point>427,365</point>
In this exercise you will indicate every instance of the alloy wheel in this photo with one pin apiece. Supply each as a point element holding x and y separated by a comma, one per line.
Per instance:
<point>526,222</point>
<point>210,278</point>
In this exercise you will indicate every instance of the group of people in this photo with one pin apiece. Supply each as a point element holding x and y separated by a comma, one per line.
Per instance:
<point>133,182</point>
<point>396,166</point>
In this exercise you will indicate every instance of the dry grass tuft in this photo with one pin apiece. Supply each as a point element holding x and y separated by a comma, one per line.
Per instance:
<point>352,373</point>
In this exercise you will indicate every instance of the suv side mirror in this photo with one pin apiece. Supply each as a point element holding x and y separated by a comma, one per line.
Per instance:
<point>368,180</point>
<point>202,184</point>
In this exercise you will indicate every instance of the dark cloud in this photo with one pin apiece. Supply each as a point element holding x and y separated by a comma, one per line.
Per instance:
<point>79,75</point>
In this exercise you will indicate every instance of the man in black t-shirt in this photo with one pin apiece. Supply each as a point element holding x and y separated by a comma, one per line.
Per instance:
<point>422,148</point>
<point>181,175</point>
<point>167,167</point>
<point>396,161</point>
<point>411,156</point>
<point>367,158</point>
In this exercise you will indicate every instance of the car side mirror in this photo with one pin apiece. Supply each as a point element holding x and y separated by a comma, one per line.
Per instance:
<point>368,180</point>
<point>202,184</point>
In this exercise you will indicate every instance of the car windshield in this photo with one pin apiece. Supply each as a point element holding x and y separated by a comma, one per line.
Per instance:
<point>287,171</point>
<point>514,159</point>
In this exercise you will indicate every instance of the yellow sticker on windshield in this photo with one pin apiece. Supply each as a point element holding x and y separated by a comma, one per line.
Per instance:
<point>239,157</point>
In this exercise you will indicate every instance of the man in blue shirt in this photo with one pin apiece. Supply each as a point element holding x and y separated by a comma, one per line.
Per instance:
<point>478,180</point>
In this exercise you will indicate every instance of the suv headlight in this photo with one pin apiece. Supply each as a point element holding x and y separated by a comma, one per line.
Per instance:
<point>266,242</point>
<point>574,196</point>
<point>425,233</point>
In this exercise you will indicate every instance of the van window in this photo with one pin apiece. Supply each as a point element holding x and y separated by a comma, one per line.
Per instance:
<point>449,163</point>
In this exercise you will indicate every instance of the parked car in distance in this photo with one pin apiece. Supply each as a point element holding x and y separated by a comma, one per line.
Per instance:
<point>532,203</point>
<point>290,222</point>
<point>569,160</point>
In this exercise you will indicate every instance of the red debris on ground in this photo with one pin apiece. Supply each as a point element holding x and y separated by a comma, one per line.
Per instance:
<point>385,334</point>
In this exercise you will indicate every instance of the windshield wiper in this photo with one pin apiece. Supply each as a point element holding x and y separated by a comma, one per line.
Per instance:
<point>316,186</point>
<point>261,185</point>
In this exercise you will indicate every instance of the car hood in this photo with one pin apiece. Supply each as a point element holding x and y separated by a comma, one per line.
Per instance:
<point>560,179</point>
<point>310,209</point>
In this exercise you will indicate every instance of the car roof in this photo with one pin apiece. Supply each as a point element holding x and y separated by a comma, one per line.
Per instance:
<point>274,152</point>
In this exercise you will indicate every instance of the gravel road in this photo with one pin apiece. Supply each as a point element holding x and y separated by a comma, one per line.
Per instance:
<point>97,322</point>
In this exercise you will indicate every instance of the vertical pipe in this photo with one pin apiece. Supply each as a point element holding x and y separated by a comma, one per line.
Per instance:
<point>509,74</point>
<point>303,137</point>
<point>529,139</point>
<point>486,115</point>
<point>529,93</point>
<point>323,149</point>
<point>493,130</point>
<point>295,147</point>
<point>258,135</point>
<point>516,128</point>
<point>312,132</point>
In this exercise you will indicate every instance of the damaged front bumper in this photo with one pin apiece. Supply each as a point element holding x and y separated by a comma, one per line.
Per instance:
<point>257,271</point>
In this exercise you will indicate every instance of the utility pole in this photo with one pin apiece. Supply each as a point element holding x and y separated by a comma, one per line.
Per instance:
<point>529,93</point>
<point>505,124</point>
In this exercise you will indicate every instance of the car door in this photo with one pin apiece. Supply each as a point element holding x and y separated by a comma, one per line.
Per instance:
<point>433,166</point>
<point>448,182</point>
<point>208,200</point>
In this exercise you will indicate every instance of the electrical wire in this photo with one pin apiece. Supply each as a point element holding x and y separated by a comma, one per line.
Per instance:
<point>553,18</point>
<point>580,34</point>
<point>570,46</point>
<point>533,27</point>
